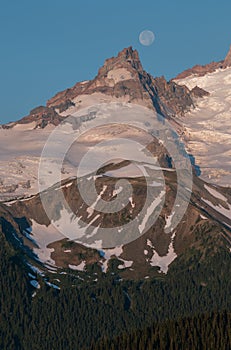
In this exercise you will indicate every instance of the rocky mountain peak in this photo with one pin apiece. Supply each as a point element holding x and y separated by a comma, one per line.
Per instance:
<point>121,78</point>
<point>127,58</point>
<point>128,53</point>
<point>227,61</point>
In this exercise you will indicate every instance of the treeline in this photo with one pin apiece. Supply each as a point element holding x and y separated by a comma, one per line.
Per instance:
<point>15,298</point>
<point>117,315</point>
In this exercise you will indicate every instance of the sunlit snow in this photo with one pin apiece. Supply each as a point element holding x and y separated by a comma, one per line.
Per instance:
<point>208,127</point>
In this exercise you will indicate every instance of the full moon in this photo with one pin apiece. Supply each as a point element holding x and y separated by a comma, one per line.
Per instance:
<point>146,37</point>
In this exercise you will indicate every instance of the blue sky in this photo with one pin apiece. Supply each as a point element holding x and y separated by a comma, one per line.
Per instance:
<point>47,46</point>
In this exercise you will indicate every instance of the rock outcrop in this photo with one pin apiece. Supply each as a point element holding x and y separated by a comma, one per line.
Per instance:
<point>41,116</point>
<point>120,78</point>
<point>199,92</point>
<point>124,76</point>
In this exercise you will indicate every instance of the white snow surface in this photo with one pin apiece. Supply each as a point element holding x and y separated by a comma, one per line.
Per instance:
<point>35,284</point>
<point>44,235</point>
<point>21,146</point>
<point>79,267</point>
<point>162,261</point>
<point>20,149</point>
<point>168,220</point>
<point>215,193</point>
<point>208,126</point>
<point>150,210</point>
<point>125,264</point>
<point>108,253</point>
<point>219,208</point>
<point>203,217</point>
<point>222,208</point>
<point>91,209</point>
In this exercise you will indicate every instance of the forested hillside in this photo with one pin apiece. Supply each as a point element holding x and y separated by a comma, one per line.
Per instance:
<point>186,309</point>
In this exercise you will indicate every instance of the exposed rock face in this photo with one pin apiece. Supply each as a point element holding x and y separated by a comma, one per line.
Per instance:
<point>171,99</point>
<point>24,220</point>
<point>198,92</point>
<point>123,76</point>
<point>41,115</point>
<point>65,105</point>
<point>200,70</point>
<point>119,76</point>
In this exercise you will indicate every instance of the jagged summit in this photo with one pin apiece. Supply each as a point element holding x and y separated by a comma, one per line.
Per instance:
<point>121,78</point>
<point>127,58</point>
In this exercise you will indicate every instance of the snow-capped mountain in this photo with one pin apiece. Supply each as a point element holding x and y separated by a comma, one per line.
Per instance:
<point>121,101</point>
<point>122,79</point>
<point>146,255</point>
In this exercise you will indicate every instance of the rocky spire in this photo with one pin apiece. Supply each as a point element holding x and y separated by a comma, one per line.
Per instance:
<point>127,58</point>
<point>123,77</point>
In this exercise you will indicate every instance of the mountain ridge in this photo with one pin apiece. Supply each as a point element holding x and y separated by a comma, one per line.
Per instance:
<point>201,70</point>
<point>122,78</point>
<point>124,75</point>
<point>149,255</point>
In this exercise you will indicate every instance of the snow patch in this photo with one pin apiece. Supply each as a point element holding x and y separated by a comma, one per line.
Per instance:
<point>150,210</point>
<point>219,208</point>
<point>108,253</point>
<point>215,193</point>
<point>91,209</point>
<point>163,261</point>
<point>35,284</point>
<point>168,221</point>
<point>125,264</point>
<point>79,267</point>
<point>52,285</point>
<point>133,204</point>
<point>203,217</point>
